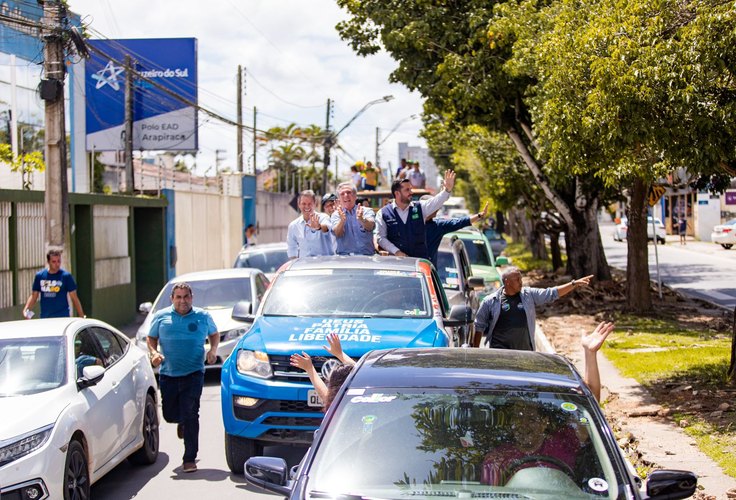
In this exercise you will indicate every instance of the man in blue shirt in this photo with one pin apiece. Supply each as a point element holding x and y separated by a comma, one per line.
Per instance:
<point>309,234</point>
<point>437,228</point>
<point>54,286</point>
<point>352,224</point>
<point>181,331</point>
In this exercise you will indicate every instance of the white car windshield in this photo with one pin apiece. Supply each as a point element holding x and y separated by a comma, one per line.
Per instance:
<point>462,443</point>
<point>30,366</point>
<point>212,294</point>
<point>348,293</point>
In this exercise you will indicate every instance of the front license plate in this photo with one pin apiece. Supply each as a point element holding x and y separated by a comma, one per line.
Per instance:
<point>313,399</point>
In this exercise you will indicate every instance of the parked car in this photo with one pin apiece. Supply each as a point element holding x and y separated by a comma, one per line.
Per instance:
<point>622,229</point>
<point>464,423</point>
<point>217,292</point>
<point>497,241</point>
<point>724,234</point>
<point>76,398</point>
<point>370,302</point>
<point>481,258</point>
<point>456,275</point>
<point>268,257</point>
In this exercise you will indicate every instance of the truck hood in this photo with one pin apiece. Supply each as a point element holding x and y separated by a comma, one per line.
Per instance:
<point>287,335</point>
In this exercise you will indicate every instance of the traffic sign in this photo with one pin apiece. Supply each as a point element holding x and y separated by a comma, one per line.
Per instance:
<point>655,193</point>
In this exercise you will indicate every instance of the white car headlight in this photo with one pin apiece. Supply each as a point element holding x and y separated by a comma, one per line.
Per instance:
<point>254,363</point>
<point>17,447</point>
<point>233,334</point>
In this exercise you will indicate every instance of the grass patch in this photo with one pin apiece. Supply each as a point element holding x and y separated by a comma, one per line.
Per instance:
<point>522,258</point>
<point>718,443</point>
<point>706,364</point>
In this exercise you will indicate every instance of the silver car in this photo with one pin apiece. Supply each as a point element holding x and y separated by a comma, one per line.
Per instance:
<point>217,292</point>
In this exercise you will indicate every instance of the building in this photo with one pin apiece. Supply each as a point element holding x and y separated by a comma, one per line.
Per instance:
<point>426,162</point>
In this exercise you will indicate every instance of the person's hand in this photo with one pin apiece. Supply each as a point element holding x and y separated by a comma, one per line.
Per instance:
<point>484,212</point>
<point>211,357</point>
<point>335,347</point>
<point>593,341</point>
<point>302,361</point>
<point>359,214</point>
<point>400,254</point>
<point>583,281</point>
<point>156,359</point>
<point>314,222</point>
<point>341,213</point>
<point>449,180</point>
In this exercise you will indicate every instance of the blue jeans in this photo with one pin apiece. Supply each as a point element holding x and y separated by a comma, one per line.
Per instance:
<point>180,404</point>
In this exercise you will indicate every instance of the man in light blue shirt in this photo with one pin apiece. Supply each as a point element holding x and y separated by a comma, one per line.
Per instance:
<point>309,234</point>
<point>352,224</point>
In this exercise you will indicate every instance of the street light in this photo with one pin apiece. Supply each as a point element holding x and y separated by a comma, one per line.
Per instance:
<point>381,141</point>
<point>331,138</point>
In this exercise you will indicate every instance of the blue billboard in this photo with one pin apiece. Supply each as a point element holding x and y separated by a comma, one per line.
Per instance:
<point>164,68</point>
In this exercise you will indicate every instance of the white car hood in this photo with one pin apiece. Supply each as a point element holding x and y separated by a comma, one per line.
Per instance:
<point>22,414</point>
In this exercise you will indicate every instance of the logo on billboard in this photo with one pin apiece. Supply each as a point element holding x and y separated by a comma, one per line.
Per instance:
<point>108,76</point>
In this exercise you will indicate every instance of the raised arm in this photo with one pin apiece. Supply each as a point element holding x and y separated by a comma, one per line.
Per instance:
<point>592,343</point>
<point>335,348</point>
<point>304,362</point>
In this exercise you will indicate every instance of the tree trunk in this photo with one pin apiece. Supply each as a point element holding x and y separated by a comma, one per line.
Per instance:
<point>554,249</point>
<point>500,225</point>
<point>732,366</point>
<point>585,254</point>
<point>638,296</point>
<point>515,226</point>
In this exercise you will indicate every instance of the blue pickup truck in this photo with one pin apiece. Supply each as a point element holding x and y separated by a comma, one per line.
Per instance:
<point>370,302</point>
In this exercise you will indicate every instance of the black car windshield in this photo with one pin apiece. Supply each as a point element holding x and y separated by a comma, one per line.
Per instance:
<point>463,443</point>
<point>348,293</point>
<point>267,261</point>
<point>477,252</point>
<point>30,366</point>
<point>212,294</point>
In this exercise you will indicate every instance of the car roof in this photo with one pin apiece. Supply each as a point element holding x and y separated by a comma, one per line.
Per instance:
<point>230,272</point>
<point>474,368</point>
<point>390,262</point>
<point>264,247</point>
<point>48,327</point>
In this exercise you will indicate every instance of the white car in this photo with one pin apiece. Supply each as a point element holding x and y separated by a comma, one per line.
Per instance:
<point>724,234</point>
<point>622,229</point>
<point>268,257</point>
<point>217,292</point>
<point>76,398</point>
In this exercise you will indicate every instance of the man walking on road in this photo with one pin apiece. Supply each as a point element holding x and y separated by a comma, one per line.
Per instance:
<point>401,224</point>
<point>181,330</point>
<point>507,317</point>
<point>55,287</point>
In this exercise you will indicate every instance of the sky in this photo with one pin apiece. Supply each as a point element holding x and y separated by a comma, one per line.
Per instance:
<point>294,62</point>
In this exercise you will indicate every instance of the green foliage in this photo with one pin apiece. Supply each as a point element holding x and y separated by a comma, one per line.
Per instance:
<point>25,163</point>
<point>718,442</point>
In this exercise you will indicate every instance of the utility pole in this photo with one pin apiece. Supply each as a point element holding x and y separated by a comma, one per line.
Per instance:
<point>329,140</point>
<point>240,119</point>
<point>128,139</point>
<point>56,206</point>
<point>255,139</point>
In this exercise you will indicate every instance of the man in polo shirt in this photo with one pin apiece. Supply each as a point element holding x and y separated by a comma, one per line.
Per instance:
<point>401,224</point>
<point>352,224</point>
<point>181,331</point>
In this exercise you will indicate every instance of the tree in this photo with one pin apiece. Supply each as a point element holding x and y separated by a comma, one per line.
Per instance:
<point>446,52</point>
<point>25,163</point>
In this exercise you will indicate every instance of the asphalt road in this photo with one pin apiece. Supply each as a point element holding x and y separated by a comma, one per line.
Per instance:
<point>164,479</point>
<point>700,269</point>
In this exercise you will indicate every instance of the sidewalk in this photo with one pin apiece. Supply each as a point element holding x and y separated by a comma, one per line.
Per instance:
<point>661,443</point>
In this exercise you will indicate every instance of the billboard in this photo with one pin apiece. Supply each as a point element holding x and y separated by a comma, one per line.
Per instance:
<point>163,69</point>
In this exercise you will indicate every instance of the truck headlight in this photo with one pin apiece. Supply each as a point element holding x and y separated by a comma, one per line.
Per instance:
<point>25,444</point>
<point>254,363</point>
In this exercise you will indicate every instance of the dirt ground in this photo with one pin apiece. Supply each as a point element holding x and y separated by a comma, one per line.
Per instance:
<point>563,321</point>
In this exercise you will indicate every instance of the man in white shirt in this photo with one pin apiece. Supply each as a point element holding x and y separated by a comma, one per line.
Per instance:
<point>309,234</point>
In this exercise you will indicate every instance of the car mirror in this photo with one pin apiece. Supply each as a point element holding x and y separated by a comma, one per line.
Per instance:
<point>460,315</point>
<point>145,307</point>
<point>243,311</point>
<point>502,260</point>
<point>671,484</point>
<point>91,375</point>
<point>476,282</point>
<point>270,473</point>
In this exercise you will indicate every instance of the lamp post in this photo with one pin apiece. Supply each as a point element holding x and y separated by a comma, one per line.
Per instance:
<point>380,141</point>
<point>331,139</point>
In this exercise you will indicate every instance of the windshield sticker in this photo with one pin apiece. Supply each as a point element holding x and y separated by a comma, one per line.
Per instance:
<point>389,272</point>
<point>597,484</point>
<point>348,330</point>
<point>356,392</point>
<point>569,406</point>
<point>451,269</point>
<point>373,398</point>
<point>584,421</point>
<point>414,312</point>
<point>368,421</point>
<point>467,440</point>
<point>451,281</point>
